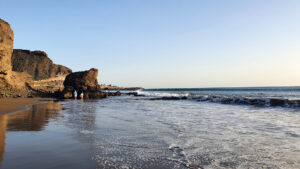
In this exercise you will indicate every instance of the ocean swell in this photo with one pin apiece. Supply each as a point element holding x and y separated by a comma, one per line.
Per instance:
<point>268,102</point>
<point>224,99</point>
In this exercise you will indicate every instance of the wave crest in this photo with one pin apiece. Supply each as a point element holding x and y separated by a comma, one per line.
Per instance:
<point>226,99</point>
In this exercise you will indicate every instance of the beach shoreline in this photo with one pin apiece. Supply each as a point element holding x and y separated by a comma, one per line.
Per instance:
<point>11,105</point>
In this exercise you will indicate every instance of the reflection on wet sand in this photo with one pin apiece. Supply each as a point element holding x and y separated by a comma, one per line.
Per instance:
<point>34,119</point>
<point>81,116</point>
<point>2,135</point>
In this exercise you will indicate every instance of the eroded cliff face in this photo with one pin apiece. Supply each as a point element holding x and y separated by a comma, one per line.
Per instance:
<point>6,47</point>
<point>18,68</point>
<point>8,78</point>
<point>37,64</point>
<point>50,85</point>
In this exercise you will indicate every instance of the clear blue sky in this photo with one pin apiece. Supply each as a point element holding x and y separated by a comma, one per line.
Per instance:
<point>165,43</point>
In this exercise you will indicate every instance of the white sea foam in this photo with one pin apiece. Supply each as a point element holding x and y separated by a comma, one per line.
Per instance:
<point>162,94</point>
<point>172,146</point>
<point>242,99</point>
<point>86,132</point>
<point>190,134</point>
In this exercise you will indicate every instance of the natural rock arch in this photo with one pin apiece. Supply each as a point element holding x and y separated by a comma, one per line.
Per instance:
<point>82,82</point>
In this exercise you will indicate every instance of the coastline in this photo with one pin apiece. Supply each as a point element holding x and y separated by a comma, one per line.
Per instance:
<point>110,87</point>
<point>11,105</point>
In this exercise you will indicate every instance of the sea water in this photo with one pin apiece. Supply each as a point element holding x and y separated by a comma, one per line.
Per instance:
<point>136,132</point>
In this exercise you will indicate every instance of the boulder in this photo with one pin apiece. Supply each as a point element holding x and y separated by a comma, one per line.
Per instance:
<point>85,83</point>
<point>37,64</point>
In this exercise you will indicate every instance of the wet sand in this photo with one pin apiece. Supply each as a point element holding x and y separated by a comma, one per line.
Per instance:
<point>9,105</point>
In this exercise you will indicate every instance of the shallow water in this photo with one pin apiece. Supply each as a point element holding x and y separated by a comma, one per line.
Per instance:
<point>132,132</point>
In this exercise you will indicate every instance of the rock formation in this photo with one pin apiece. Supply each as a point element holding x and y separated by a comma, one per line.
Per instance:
<point>37,64</point>
<point>6,47</point>
<point>111,87</point>
<point>10,82</point>
<point>85,83</point>
<point>19,67</point>
<point>50,85</point>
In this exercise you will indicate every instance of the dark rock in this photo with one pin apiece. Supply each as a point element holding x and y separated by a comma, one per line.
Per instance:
<point>118,93</point>
<point>85,83</point>
<point>37,64</point>
<point>241,101</point>
<point>166,98</point>
<point>184,98</point>
<point>132,93</point>
<point>277,102</point>
<point>169,98</point>
<point>140,95</point>
<point>257,102</point>
<point>226,100</point>
<point>85,80</point>
<point>95,95</point>
<point>293,103</point>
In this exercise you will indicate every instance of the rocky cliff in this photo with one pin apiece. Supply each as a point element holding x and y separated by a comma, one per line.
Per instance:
<point>6,47</point>
<point>18,69</point>
<point>11,83</point>
<point>37,64</point>
<point>50,85</point>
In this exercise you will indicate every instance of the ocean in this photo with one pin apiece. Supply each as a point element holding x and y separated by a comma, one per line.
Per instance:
<point>259,96</point>
<point>204,128</point>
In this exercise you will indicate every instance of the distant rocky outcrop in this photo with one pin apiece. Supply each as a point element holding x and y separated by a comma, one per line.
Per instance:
<point>85,83</point>
<point>37,64</point>
<point>111,87</point>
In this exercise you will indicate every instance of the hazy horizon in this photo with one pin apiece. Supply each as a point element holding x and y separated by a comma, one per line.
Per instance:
<point>165,44</point>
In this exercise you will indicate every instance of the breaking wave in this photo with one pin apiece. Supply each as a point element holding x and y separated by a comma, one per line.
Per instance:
<point>268,102</point>
<point>162,94</point>
<point>256,100</point>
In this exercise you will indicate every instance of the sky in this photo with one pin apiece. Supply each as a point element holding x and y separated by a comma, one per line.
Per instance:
<point>165,43</point>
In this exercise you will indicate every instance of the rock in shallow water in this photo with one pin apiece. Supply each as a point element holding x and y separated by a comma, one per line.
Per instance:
<point>169,98</point>
<point>277,102</point>
<point>85,84</point>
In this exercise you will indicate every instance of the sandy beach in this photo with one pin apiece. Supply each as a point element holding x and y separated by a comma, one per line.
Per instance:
<point>9,105</point>
<point>149,84</point>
